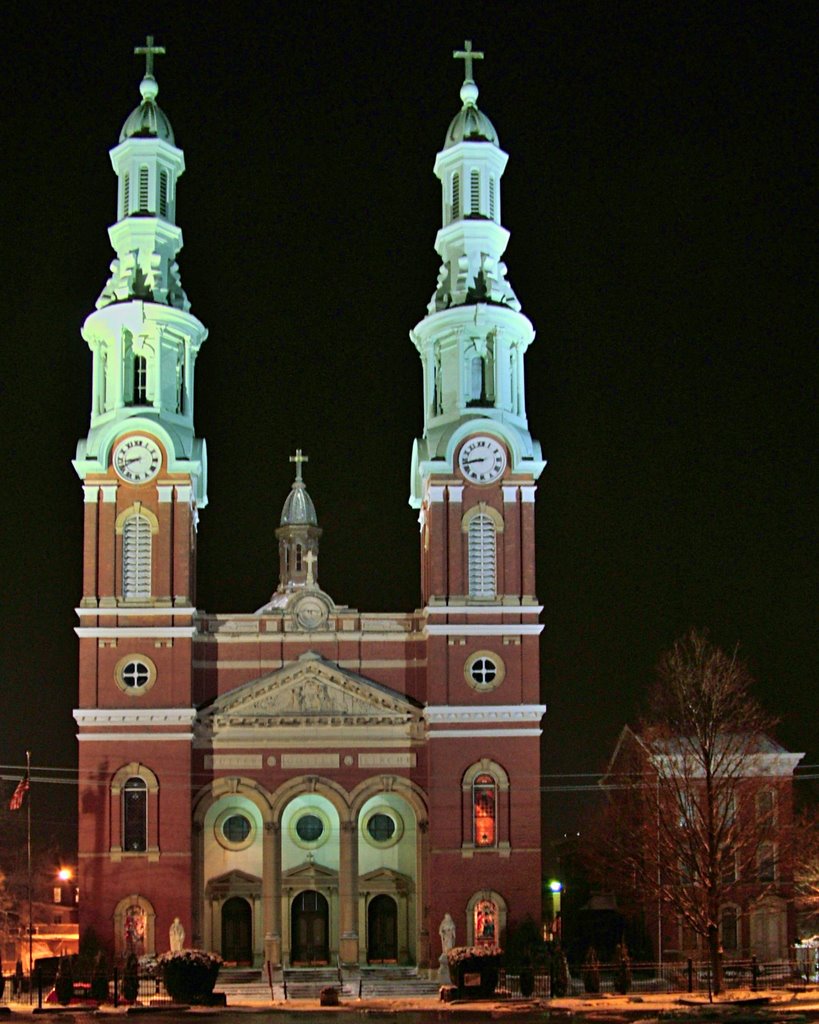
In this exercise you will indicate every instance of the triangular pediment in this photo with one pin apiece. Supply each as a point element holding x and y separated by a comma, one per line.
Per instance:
<point>310,873</point>
<point>385,880</point>
<point>310,691</point>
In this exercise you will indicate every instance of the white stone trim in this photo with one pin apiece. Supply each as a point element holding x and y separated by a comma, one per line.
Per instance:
<point>436,493</point>
<point>109,493</point>
<point>483,609</point>
<point>482,733</point>
<point>456,492</point>
<point>146,632</point>
<point>510,494</point>
<point>88,717</point>
<point>448,713</point>
<point>527,493</point>
<point>91,493</point>
<point>118,737</point>
<point>142,612</point>
<point>488,629</point>
<point>165,492</point>
<point>184,493</point>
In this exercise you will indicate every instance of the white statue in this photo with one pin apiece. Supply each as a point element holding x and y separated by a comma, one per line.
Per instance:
<point>176,934</point>
<point>447,932</point>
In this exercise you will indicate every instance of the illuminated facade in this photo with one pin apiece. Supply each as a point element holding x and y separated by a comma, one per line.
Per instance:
<point>306,782</point>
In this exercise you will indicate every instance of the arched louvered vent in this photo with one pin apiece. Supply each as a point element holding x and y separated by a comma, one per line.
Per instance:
<point>482,569</point>
<point>136,557</point>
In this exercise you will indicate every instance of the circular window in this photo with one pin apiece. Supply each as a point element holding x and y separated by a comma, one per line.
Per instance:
<point>484,670</point>
<point>382,826</point>
<point>310,828</point>
<point>235,829</point>
<point>134,674</point>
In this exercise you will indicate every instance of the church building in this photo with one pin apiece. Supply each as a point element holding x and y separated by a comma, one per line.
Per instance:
<point>307,783</point>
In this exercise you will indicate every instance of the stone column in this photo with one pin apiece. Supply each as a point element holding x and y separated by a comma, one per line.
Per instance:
<point>348,894</point>
<point>272,892</point>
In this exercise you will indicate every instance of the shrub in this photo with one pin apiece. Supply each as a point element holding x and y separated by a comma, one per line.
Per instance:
<point>64,982</point>
<point>622,976</point>
<point>130,979</point>
<point>99,978</point>
<point>591,971</point>
<point>559,973</point>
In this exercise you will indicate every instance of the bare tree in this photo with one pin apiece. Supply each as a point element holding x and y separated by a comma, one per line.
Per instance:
<point>686,828</point>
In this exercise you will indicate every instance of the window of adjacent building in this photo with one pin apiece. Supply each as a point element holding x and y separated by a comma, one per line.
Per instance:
<point>729,866</point>
<point>474,192</point>
<point>136,557</point>
<point>766,806</point>
<point>484,670</point>
<point>484,804</point>
<point>482,569</point>
<point>766,863</point>
<point>729,930</point>
<point>135,816</point>
<point>143,190</point>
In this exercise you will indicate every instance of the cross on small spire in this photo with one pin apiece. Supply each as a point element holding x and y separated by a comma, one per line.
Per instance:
<point>467,55</point>
<point>298,458</point>
<point>149,50</point>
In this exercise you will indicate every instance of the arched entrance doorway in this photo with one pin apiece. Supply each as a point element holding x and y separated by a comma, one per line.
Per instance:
<point>382,929</point>
<point>309,920</point>
<point>237,931</point>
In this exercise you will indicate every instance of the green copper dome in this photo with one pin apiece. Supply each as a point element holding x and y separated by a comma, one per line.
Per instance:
<point>470,124</point>
<point>147,120</point>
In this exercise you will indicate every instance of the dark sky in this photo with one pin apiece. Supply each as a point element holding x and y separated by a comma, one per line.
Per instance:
<point>661,197</point>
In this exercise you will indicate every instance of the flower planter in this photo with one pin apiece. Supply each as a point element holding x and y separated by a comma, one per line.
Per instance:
<point>190,974</point>
<point>476,977</point>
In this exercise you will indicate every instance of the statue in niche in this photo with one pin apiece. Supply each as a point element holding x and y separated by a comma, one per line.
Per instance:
<point>482,371</point>
<point>176,935</point>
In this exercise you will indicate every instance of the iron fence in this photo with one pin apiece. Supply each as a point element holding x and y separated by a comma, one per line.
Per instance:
<point>686,976</point>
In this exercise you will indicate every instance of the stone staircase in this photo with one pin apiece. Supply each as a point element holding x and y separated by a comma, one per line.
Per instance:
<point>383,982</point>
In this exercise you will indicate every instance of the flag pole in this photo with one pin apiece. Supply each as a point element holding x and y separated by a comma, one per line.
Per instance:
<point>28,859</point>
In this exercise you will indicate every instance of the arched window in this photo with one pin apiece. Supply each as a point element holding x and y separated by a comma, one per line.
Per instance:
<point>163,193</point>
<point>140,392</point>
<point>126,194</point>
<point>135,816</point>
<point>484,809</point>
<point>136,556</point>
<point>143,190</point>
<point>299,552</point>
<point>486,923</point>
<point>474,193</point>
<point>482,556</point>
<point>456,196</point>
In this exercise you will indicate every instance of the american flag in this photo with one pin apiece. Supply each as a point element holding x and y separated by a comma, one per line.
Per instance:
<point>18,795</point>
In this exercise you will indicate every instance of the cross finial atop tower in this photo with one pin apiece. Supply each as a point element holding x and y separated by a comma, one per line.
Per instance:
<point>298,458</point>
<point>467,55</point>
<point>149,50</point>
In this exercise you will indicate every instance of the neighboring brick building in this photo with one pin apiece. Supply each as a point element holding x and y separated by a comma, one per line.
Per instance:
<point>754,810</point>
<point>306,781</point>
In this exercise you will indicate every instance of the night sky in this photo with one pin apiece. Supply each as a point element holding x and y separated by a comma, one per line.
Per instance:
<point>661,197</point>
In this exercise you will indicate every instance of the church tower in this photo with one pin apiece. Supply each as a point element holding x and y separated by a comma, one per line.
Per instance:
<point>473,480</point>
<point>144,476</point>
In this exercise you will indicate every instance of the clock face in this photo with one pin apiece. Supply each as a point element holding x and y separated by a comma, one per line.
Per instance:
<point>482,459</point>
<point>137,459</point>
